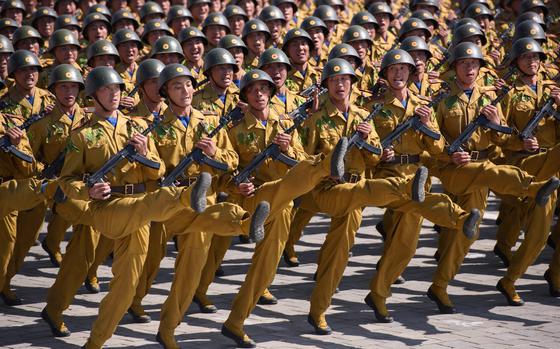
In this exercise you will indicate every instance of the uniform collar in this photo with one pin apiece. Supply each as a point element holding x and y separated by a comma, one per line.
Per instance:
<point>251,120</point>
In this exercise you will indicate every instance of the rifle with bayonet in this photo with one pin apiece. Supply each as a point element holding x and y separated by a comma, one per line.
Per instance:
<point>272,151</point>
<point>198,156</point>
<point>482,121</point>
<point>7,146</point>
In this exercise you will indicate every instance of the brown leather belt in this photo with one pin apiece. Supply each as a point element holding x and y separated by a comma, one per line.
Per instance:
<point>186,182</point>
<point>129,189</point>
<point>529,153</point>
<point>479,155</point>
<point>404,159</point>
<point>5,179</point>
<point>351,177</point>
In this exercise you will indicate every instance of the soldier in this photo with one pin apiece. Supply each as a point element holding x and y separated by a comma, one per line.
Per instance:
<point>129,46</point>
<point>357,37</point>
<point>154,30</point>
<point>238,50</point>
<point>179,18</point>
<point>468,174</point>
<point>193,42</point>
<point>28,38</point>
<point>318,31</point>
<point>236,18</point>
<point>369,23</point>
<point>298,46</point>
<point>95,27</point>
<point>151,11</point>
<point>485,17</point>
<point>14,9</point>
<point>384,17</point>
<point>65,7</point>
<point>70,23</point>
<point>6,50</point>
<point>276,23</point>
<point>199,10</point>
<point>215,27</point>
<point>43,20</point>
<point>255,35</point>
<point>168,50</point>
<point>124,19</point>
<point>7,27</point>
<point>328,15</point>
<point>422,82</point>
<point>290,10</point>
<point>64,46</point>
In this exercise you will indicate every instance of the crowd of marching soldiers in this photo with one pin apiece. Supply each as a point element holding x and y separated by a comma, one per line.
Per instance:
<point>136,122</point>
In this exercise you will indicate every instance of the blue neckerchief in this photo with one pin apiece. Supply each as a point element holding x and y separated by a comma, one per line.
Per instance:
<point>236,82</point>
<point>418,85</point>
<point>223,98</point>
<point>345,115</point>
<point>264,122</point>
<point>303,73</point>
<point>155,114</point>
<point>294,19</point>
<point>70,116</point>
<point>362,69</point>
<point>469,92</point>
<point>404,102</point>
<point>130,72</point>
<point>30,99</point>
<point>281,97</point>
<point>185,120</point>
<point>533,87</point>
<point>112,121</point>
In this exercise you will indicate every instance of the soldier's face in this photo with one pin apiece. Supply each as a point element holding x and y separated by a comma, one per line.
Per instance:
<point>165,5</point>
<point>420,58</point>
<point>30,44</point>
<point>278,72</point>
<point>370,29</point>
<point>397,76</point>
<point>237,53</point>
<point>97,31</point>
<point>529,63</point>
<point>179,24</point>
<point>4,64</point>
<point>168,58</point>
<point>416,32</point>
<point>275,28</point>
<point>484,22</point>
<point>383,20</point>
<point>66,54</point>
<point>474,39</point>
<point>287,10</point>
<point>222,75</point>
<point>27,77</point>
<point>236,24</point>
<point>248,6</point>
<point>123,24</point>
<point>317,35</point>
<point>214,33</point>
<point>352,60</point>
<point>109,96</point>
<point>180,91</point>
<point>128,51</point>
<point>15,14</point>
<point>339,87</point>
<point>117,5</point>
<point>66,7</point>
<point>256,42</point>
<point>45,26</point>
<point>103,61</point>
<point>216,5</point>
<point>8,32</point>
<point>258,95</point>
<point>193,49</point>
<point>298,51</point>
<point>361,46</point>
<point>331,26</point>
<point>430,9</point>
<point>151,91</point>
<point>154,35</point>
<point>200,11</point>
<point>467,70</point>
<point>66,93</point>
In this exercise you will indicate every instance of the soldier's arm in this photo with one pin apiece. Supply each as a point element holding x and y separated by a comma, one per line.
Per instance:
<point>73,170</point>
<point>513,143</point>
<point>501,138</point>
<point>225,152</point>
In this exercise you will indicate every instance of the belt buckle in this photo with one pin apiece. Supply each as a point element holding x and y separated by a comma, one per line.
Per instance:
<point>128,189</point>
<point>404,159</point>
<point>475,154</point>
<point>353,178</point>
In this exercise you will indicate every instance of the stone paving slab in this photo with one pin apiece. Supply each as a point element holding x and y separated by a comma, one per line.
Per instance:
<point>484,319</point>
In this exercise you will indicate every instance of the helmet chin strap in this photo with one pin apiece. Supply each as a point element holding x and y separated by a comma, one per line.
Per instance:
<point>107,111</point>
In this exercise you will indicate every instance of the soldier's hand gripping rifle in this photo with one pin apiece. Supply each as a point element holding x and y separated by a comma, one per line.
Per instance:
<point>198,156</point>
<point>482,121</point>
<point>547,109</point>
<point>273,151</point>
<point>7,146</point>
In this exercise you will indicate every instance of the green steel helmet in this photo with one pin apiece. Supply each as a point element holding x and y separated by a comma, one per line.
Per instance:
<point>126,35</point>
<point>529,29</point>
<point>294,5</point>
<point>466,50</point>
<point>529,5</point>
<point>272,13</point>
<point>178,11</point>
<point>192,33</point>
<point>326,13</point>
<point>124,14</point>
<point>525,45</point>
<point>412,24</point>
<point>252,77</point>
<point>63,37</point>
<point>297,33</point>
<point>467,31</point>
<point>467,3</point>
<point>230,41</point>
<point>356,33</point>
<point>216,18</point>
<point>255,25</point>
<point>151,8</point>
<point>476,10</point>
<point>102,48</point>
<point>27,32</point>
<point>531,16</point>
<point>65,73</point>
<point>381,8</point>
<point>314,22</point>
<point>426,16</point>
<point>345,50</point>
<point>337,66</point>
<point>43,12</point>
<point>66,21</point>
<point>274,55</point>
<point>6,45</point>
<point>198,2</point>
<point>218,56</point>
<point>102,9</point>
<point>464,21</point>
<point>364,17</point>
<point>148,69</point>
<point>234,10</point>
<point>415,43</point>
<point>8,23</point>
<point>331,3</point>
<point>432,3</point>
<point>95,17</point>
<point>170,72</point>
<point>22,59</point>
<point>13,4</point>
<point>100,77</point>
<point>155,25</point>
<point>167,44</point>
<point>393,57</point>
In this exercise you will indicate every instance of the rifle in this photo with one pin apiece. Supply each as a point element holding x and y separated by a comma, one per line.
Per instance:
<point>7,146</point>
<point>308,92</point>
<point>482,121</point>
<point>129,153</point>
<point>198,156</point>
<point>272,151</point>
<point>130,94</point>
<point>547,109</point>
<point>415,123</point>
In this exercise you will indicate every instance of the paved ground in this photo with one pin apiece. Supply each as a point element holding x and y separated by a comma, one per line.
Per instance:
<point>484,321</point>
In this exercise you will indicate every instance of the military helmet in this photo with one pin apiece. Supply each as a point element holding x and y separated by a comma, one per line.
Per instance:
<point>102,9</point>
<point>151,8</point>
<point>311,22</point>
<point>531,16</point>
<point>6,45</point>
<point>124,14</point>
<point>100,77</point>
<point>337,66</point>
<point>26,32</point>
<point>274,55</point>
<point>415,43</point>
<point>477,10</point>
<point>173,71</point>
<point>254,76</point>
<point>148,69</point>
<point>433,3</point>
<point>379,8</point>
<point>525,45</point>
<point>15,4</point>
<point>364,17</point>
<point>216,18</point>
<point>95,17</point>
<point>178,11</point>
<point>43,12</point>
<point>234,10</point>
<point>8,23</point>
<point>528,5</point>
<point>332,3</point>
<point>192,33</point>
<point>466,3</point>
<point>198,2</point>
<point>326,13</point>
<point>65,21</point>
<point>167,44</point>
<point>218,56</point>
<point>22,59</point>
<point>426,16</point>
<point>393,57</point>
<point>356,33</point>
<point>294,5</point>
<point>529,29</point>
<point>65,73</point>
<point>232,41</point>
<point>464,21</point>
<point>466,31</point>
<point>414,24</point>
<point>272,13</point>
<point>296,33</point>
<point>345,50</point>
<point>125,35</point>
<point>255,25</point>
<point>63,37</point>
<point>102,48</point>
<point>154,25</point>
<point>466,50</point>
